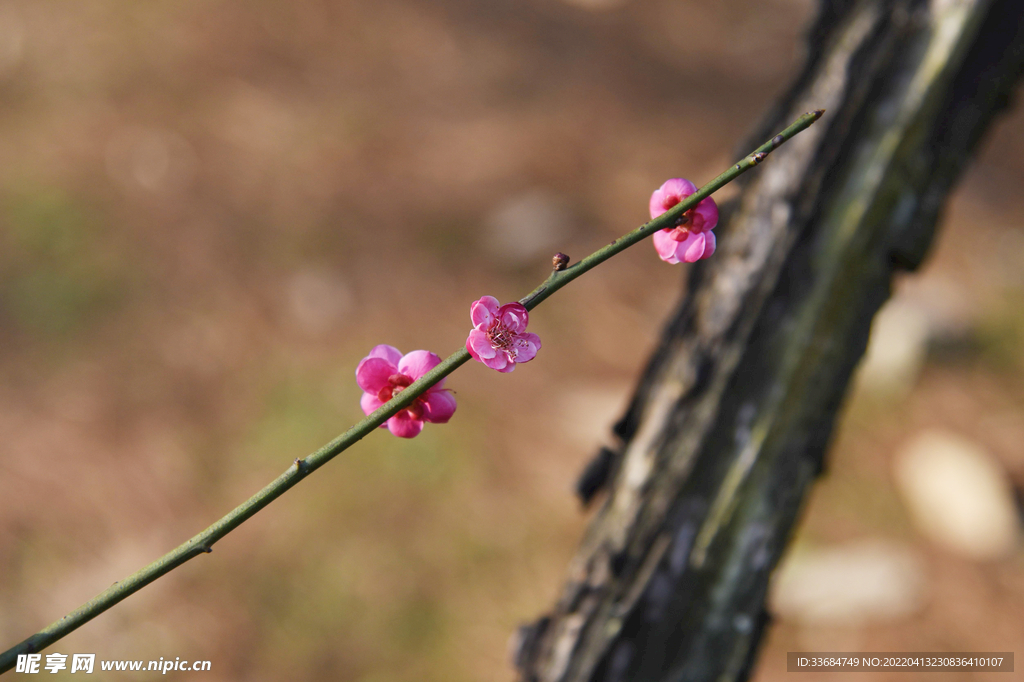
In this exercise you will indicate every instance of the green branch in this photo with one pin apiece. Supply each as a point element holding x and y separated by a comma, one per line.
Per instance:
<point>203,542</point>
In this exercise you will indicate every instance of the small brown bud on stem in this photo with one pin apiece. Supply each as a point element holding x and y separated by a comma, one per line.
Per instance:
<point>559,261</point>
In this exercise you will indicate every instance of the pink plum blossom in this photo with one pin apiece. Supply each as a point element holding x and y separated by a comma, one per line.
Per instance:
<point>694,239</point>
<point>499,338</point>
<point>386,372</point>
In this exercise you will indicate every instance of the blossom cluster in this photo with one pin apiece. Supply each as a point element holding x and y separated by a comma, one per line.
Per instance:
<point>499,338</point>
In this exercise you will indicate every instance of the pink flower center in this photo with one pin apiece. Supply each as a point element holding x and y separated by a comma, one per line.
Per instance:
<point>691,220</point>
<point>396,384</point>
<point>696,223</point>
<point>504,339</point>
<point>500,336</point>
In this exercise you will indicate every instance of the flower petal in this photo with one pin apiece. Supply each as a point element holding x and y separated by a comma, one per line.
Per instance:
<point>440,406</point>
<point>693,247</point>
<point>669,194</point>
<point>479,346</point>
<point>660,202</point>
<point>373,372</point>
<point>369,402</point>
<point>498,362</point>
<point>514,316</point>
<point>527,345</point>
<point>680,187</point>
<point>710,244</point>
<point>483,311</point>
<point>418,363</point>
<point>708,210</point>
<point>665,245</point>
<point>404,426</point>
<point>389,353</point>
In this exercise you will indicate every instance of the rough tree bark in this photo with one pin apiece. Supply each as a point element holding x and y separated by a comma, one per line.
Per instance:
<point>731,418</point>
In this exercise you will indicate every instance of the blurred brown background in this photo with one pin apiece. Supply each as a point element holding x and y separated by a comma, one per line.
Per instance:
<point>211,210</point>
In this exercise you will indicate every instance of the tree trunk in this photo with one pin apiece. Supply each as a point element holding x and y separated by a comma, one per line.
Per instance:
<point>731,419</point>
